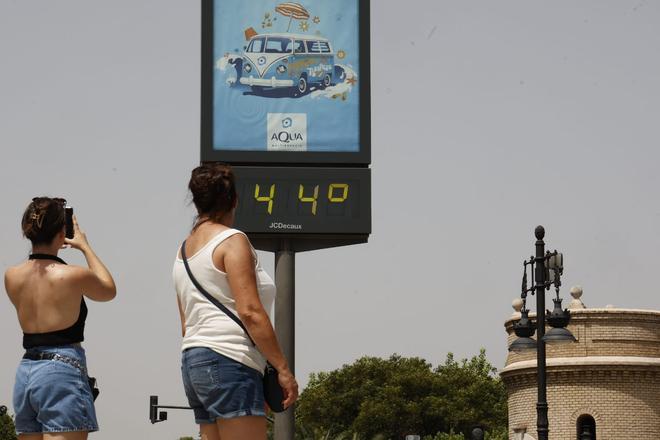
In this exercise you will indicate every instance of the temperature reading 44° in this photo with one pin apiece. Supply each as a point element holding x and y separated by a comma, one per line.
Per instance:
<point>303,201</point>
<point>308,196</point>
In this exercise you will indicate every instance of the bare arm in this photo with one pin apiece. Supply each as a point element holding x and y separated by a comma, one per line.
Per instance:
<point>97,283</point>
<point>239,265</point>
<point>182,317</point>
<point>8,287</point>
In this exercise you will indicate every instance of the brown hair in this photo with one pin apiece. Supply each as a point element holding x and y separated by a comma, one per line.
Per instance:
<point>43,219</point>
<point>213,188</point>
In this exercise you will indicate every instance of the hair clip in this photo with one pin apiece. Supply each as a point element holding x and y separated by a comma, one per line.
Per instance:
<point>39,218</point>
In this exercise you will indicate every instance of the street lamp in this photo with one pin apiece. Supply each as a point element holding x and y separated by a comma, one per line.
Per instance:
<point>546,269</point>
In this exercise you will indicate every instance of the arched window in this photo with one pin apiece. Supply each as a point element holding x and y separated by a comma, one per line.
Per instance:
<point>586,427</point>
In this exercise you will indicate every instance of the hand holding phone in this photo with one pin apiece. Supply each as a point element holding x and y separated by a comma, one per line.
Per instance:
<point>79,238</point>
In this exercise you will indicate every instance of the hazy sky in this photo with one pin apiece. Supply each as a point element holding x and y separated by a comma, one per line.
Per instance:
<point>489,117</point>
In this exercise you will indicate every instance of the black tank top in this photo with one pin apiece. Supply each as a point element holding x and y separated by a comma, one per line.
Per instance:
<point>71,335</point>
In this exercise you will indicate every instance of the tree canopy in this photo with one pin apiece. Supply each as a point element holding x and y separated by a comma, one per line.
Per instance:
<point>390,398</point>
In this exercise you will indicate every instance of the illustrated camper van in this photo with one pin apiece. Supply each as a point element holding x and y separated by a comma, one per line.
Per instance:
<point>291,61</point>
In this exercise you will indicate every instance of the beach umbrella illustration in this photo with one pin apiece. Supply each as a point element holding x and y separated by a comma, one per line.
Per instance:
<point>249,33</point>
<point>292,10</point>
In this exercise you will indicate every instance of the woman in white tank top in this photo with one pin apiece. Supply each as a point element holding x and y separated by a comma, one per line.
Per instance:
<point>221,369</point>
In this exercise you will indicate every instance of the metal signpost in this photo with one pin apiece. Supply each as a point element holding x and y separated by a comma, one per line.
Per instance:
<point>286,102</point>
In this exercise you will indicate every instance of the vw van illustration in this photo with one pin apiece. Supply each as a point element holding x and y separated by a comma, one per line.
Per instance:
<point>287,61</point>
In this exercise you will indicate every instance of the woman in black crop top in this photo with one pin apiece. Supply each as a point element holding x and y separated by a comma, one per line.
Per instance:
<point>52,397</point>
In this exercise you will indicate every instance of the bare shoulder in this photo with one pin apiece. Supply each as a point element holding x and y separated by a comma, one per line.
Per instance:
<point>237,249</point>
<point>238,242</point>
<point>11,284</point>
<point>11,277</point>
<point>72,273</point>
<point>11,271</point>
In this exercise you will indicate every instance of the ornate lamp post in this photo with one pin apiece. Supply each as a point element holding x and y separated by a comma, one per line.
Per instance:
<point>546,269</point>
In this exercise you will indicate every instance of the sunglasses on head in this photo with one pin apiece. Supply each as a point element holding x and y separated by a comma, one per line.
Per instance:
<point>56,199</point>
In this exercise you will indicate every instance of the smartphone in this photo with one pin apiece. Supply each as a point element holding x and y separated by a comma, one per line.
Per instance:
<point>68,221</point>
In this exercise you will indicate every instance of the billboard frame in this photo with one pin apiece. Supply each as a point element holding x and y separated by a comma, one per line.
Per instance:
<point>307,158</point>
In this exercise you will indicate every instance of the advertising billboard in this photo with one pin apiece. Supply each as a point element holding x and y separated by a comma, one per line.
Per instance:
<point>286,82</point>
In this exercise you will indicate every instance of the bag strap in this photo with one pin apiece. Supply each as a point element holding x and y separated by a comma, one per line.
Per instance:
<point>208,296</point>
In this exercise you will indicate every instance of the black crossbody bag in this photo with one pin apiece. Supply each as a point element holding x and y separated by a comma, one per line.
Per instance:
<point>273,393</point>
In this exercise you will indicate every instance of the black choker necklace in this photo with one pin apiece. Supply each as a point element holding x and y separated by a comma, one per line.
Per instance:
<point>46,257</point>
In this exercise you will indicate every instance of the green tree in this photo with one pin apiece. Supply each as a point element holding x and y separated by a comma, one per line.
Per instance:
<point>7,429</point>
<point>471,393</point>
<point>501,433</point>
<point>398,396</point>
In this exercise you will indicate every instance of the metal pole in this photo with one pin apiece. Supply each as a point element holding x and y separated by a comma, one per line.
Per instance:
<point>542,403</point>
<point>285,313</point>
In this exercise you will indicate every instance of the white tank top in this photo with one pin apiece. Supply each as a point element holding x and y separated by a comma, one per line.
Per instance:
<point>205,324</point>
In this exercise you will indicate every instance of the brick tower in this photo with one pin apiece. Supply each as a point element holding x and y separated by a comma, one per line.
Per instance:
<point>606,385</point>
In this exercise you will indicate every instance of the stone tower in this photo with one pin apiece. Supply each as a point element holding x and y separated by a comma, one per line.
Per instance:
<point>606,386</point>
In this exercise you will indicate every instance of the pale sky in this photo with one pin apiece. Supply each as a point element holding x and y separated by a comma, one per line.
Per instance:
<point>488,118</point>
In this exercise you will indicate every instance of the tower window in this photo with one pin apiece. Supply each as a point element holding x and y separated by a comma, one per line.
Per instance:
<point>586,427</point>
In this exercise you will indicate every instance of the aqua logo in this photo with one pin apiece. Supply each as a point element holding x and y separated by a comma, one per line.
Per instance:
<point>261,61</point>
<point>287,131</point>
<point>285,137</point>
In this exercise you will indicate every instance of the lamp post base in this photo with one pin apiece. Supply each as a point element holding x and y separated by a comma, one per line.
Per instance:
<point>542,420</point>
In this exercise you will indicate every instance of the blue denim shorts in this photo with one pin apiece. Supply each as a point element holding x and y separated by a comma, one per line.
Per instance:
<point>220,388</point>
<point>53,396</point>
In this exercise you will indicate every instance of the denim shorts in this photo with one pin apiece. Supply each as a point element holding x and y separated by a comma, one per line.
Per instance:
<point>218,387</point>
<point>53,396</point>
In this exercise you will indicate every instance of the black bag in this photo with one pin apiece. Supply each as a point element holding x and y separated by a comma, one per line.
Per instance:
<point>273,393</point>
<point>93,387</point>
